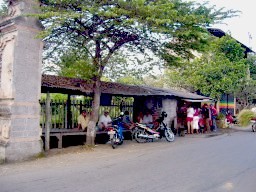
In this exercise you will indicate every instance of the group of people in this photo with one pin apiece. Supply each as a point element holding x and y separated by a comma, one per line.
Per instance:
<point>196,118</point>
<point>83,119</point>
<point>105,120</point>
<point>146,119</point>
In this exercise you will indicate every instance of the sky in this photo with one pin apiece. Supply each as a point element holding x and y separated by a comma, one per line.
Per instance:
<point>243,27</point>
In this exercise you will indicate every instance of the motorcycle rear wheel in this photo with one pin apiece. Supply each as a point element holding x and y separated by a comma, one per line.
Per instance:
<point>139,139</point>
<point>169,135</point>
<point>113,141</point>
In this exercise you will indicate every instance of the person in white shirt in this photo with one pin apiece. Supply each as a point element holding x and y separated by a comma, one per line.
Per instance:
<point>190,115</point>
<point>105,121</point>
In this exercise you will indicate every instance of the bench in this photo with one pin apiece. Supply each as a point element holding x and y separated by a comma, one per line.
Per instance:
<point>59,133</point>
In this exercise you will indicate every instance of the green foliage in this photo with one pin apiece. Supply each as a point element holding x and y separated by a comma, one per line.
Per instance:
<point>228,47</point>
<point>3,10</point>
<point>55,96</point>
<point>245,93</point>
<point>245,116</point>
<point>251,60</point>
<point>130,80</point>
<point>104,27</point>
<point>124,64</point>
<point>217,71</point>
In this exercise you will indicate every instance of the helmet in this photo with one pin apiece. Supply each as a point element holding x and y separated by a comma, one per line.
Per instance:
<point>122,113</point>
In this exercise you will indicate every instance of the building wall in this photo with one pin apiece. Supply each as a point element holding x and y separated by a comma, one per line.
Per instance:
<point>170,106</point>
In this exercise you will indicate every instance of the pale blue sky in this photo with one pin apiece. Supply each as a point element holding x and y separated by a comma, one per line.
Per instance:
<point>240,27</point>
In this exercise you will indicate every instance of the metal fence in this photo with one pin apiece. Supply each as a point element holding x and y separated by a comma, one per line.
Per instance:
<point>64,114</point>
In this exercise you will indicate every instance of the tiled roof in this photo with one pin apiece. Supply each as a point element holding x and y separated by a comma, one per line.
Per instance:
<point>65,84</point>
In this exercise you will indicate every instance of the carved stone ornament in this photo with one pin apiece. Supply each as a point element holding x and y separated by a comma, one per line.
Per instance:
<point>3,43</point>
<point>5,132</point>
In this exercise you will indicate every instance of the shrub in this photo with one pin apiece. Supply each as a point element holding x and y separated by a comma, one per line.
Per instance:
<point>245,116</point>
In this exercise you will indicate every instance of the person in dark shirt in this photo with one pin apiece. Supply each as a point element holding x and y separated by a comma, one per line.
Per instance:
<point>213,113</point>
<point>206,116</point>
<point>127,121</point>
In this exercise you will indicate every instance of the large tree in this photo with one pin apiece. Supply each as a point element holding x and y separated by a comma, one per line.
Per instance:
<point>103,27</point>
<point>219,70</point>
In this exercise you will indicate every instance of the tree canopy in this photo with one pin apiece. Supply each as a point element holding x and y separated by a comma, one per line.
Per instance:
<point>103,27</point>
<point>217,71</point>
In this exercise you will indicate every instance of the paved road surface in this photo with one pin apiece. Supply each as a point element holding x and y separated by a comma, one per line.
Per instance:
<point>190,164</point>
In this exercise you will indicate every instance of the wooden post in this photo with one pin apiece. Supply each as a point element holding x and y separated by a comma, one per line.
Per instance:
<point>69,114</point>
<point>47,122</point>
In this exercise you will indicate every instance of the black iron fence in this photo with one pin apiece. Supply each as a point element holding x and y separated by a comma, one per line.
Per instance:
<point>64,113</point>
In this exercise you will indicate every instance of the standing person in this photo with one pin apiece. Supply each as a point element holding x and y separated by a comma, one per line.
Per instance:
<point>196,119</point>
<point>213,113</point>
<point>83,120</point>
<point>105,121</point>
<point>190,115</point>
<point>206,116</point>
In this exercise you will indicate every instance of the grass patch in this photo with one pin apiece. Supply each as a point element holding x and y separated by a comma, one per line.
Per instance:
<point>88,147</point>
<point>40,155</point>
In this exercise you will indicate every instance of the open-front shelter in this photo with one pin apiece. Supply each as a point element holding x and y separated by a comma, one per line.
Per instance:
<point>144,98</point>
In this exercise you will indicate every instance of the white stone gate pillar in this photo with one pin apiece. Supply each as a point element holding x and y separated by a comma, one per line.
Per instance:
<point>20,83</point>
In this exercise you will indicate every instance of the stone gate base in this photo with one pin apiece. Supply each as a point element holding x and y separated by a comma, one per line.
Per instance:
<point>19,151</point>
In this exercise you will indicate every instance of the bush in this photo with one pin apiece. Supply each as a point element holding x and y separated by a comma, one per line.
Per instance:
<point>245,116</point>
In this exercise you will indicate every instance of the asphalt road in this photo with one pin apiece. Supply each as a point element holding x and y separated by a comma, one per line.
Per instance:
<point>189,164</point>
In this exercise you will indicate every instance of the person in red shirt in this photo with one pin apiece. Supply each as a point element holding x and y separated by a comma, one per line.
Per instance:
<point>229,118</point>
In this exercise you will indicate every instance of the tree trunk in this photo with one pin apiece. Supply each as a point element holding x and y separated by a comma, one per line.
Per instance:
<point>91,131</point>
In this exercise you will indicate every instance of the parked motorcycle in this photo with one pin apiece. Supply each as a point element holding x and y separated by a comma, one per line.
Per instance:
<point>115,132</point>
<point>143,134</point>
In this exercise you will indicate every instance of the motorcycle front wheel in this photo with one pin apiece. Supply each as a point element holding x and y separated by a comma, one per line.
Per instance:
<point>169,135</point>
<point>138,138</point>
<point>254,127</point>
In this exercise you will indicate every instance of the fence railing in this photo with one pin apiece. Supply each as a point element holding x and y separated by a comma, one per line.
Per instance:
<point>64,114</point>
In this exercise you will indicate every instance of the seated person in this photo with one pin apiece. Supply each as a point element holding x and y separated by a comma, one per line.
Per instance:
<point>83,120</point>
<point>105,121</point>
<point>201,124</point>
<point>148,119</point>
<point>140,118</point>
<point>127,121</point>
<point>229,118</point>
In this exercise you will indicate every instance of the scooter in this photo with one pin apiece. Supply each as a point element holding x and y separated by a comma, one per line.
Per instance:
<point>115,133</point>
<point>143,134</point>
